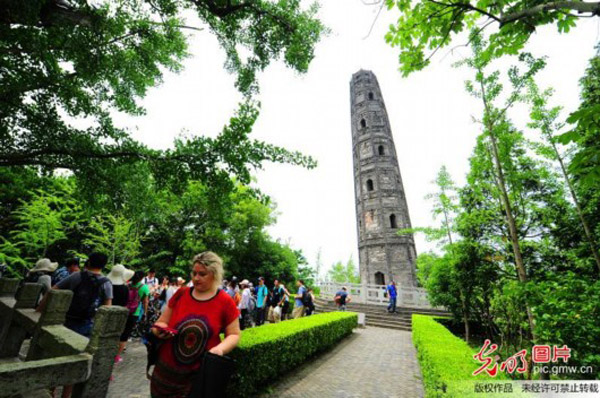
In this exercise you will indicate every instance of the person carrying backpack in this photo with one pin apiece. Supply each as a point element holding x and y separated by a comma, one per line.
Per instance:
<point>71,265</point>
<point>118,276</point>
<point>262,293</point>
<point>309,303</point>
<point>90,289</point>
<point>342,298</point>
<point>277,299</point>
<point>139,298</point>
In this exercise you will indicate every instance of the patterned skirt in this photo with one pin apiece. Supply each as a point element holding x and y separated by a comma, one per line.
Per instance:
<point>171,382</point>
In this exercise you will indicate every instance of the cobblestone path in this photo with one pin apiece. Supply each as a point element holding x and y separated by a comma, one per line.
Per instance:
<point>373,362</point>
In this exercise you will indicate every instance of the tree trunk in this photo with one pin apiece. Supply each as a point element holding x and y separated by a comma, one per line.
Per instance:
<point>512,226</point>
<point>510,220</point>
<point>465,317</point>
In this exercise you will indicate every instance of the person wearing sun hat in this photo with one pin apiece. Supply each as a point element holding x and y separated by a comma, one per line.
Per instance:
<point>244,304</point>
<point>42,274</point>
<point>119,276</point>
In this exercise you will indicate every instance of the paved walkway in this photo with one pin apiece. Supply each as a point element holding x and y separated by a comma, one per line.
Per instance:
<point>373,362</point>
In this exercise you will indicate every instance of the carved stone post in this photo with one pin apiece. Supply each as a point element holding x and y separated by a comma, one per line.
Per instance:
<point>13,334</point>
<point>28,295</point>
<point>363,293</point>
<point>109,323</point>
<point>8,287</point>
<point>54,313</point>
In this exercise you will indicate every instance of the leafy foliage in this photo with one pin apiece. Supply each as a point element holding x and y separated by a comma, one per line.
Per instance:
<point>515,209</point>
<point>446,361</point>
<point>142,225</point>
<point>42,222</point>
<point>344,273</point>
<point>585,163</point>
<point>66,65</point>
<point>427,26</point>
<point>115,235</point>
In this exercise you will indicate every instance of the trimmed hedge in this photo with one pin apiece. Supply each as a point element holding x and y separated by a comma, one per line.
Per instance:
<point>267,352</point>
<point>446,361</point>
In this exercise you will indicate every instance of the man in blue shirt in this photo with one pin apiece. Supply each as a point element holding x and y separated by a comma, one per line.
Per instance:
<point>341,299</point>
<point>261,301</point>
<point>299,302</point>
<point>392,293</point>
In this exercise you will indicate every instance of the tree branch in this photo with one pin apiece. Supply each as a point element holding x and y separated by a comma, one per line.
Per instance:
<point>579,6</point>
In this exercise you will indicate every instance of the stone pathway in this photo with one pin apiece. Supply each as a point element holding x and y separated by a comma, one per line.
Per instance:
<point>129,376</point>
<point>373,362</point>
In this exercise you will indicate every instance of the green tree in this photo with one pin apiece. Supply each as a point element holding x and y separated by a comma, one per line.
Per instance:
<point>429,25</point>
<point>65,62</point>
<point>545,120</point>
<point>584,164</point>
<point>444,201</point>
<point>459,281</point>
<point>488,88</point>
<point>116,236</point>
<point>344,273</point>
<point>42,221</point>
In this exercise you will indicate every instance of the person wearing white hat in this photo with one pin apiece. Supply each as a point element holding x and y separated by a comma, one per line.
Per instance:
<point>244,303</point>
<point>119,276</point>
<point>42,274</point>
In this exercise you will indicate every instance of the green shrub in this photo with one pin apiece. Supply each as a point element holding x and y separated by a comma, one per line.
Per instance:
<point>267,352</point>
<point>447,362</point>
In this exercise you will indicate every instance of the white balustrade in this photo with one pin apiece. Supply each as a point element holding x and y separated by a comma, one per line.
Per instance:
<point>377,294</point>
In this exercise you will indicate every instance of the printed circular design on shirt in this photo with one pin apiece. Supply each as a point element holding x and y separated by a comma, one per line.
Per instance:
<point>191,339</point>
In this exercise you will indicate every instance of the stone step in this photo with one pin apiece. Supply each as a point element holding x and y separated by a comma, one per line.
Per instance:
<point>389,326</point>
<point>373,311</point>
<point>382,314</point>
<point>380,319</point>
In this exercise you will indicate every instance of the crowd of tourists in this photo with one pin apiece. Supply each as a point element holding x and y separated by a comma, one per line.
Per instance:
<point>196,311</point>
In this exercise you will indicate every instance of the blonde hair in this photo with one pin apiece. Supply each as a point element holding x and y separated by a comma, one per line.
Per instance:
<point>213,263</point>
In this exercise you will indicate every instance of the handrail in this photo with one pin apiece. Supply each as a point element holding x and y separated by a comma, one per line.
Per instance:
<point>407,296</point>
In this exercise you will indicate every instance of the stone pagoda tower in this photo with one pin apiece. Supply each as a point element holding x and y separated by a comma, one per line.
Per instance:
<point>381,208</point>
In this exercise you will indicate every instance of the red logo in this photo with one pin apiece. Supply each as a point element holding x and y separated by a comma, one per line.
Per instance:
<point>518,361</point>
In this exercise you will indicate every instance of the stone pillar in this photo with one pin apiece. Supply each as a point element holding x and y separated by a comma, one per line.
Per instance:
<point>54,312</point>
<point>109,323</point>
<point>13,334</point>
<point>8,287</point>
<point>28,295</point>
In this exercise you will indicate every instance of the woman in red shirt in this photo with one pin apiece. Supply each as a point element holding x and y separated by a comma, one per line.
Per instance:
<point>199,314</point>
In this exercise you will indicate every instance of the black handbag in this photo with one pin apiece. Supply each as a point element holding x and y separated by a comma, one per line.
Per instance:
<point>152,344</point>
<point>213,377</point>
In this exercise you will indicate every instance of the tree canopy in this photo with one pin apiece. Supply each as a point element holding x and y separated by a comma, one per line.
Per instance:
<point>426,26</point>
<point>66,65</point>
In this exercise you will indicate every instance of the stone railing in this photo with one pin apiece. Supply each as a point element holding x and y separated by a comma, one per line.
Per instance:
<point>376,294</point>
<point>56,356</point>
